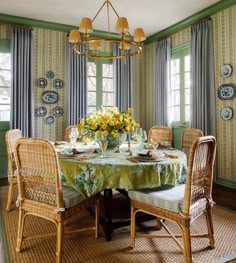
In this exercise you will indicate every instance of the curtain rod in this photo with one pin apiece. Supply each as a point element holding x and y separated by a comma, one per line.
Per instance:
<point>17,26</point>
<point>193,24</point>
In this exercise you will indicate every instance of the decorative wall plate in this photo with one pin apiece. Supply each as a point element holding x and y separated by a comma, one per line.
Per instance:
<point>226,71</point>
<point>226,91</point>
<point>226,113</point>
<point>57,111</point>
<point>50,74</point>
<point>57,83</point>
<point>40,111</point>
<point>50,120</point>
<point>50,97</point>
<point>42,83</point>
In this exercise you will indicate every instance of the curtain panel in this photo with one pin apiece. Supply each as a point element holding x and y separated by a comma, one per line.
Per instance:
<point>122,80</point>
<point>163,58</point>
<point>76,97</point>
<point>21,116</point>
<point>202,78</point>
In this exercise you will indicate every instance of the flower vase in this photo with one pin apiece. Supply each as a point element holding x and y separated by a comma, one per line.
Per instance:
<point>112,142</point>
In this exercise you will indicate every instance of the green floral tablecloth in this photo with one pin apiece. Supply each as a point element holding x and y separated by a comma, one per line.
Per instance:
<point>94,175</point>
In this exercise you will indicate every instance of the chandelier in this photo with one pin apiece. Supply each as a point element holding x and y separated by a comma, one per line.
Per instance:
<point>101,48</point>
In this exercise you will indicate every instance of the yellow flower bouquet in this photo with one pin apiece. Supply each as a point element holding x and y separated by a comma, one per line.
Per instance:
<point>110,122</point>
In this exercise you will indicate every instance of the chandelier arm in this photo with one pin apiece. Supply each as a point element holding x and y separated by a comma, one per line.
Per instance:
<point>108,20</point>
<point>99,11</point>
<point>113,8</point>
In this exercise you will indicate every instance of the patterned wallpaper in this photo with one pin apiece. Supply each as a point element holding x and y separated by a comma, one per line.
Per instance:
<point>49,55</point>
<point>224,24</point>
<point>224,28</point>
<point>4,32</point>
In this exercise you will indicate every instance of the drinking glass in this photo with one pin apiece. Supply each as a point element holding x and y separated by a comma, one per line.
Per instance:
<point>74,133</point>
<point>102,142</point>
<point>154,143</point>
<point>139,134</point>
<point>122,137</point>
<point>144,137</point>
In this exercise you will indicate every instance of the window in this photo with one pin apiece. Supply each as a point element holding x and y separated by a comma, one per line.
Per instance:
<point>179,90</point>
<point>5,83</point>
<point>100,85</point>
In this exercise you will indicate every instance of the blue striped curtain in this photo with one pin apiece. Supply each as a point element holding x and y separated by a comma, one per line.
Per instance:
<point>76,96</point>
<point>122,80</point>
<point>202,78</point>
<point>21,116</point>
<point>163,57</point>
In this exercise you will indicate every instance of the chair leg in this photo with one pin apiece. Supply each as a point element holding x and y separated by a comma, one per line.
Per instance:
<point>187,244</point>
<point>210,228</point>
<point>60,234</point>
<point>10,196</point>
<point>97,215</point>
<point>132,226</point>
<point>21,223</point>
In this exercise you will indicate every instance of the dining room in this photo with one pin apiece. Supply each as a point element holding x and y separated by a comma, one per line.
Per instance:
<point>122,110</point>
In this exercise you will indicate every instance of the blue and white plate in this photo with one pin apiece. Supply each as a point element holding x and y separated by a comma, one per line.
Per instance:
<point>57,111</point>
<point>50,74</point>
<point>50,120</point>
<point>42,83</point>
<point>57,83</point>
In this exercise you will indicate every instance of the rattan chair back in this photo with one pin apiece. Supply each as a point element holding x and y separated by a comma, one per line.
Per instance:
<point>67,132</point>
<point>11,137</point>
<point>160,133</point>
<point>188,137</point>
<point>41,192</point>
<point>198,187</point>
<point>38,167</point>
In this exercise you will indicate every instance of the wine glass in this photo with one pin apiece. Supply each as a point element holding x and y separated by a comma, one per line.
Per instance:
<point>154,143</point>
<point>74,133</point>
<point>139,134</point>
<point>102,142</point>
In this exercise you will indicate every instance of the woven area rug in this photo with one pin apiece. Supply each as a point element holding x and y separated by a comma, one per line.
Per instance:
<point>83,247</point>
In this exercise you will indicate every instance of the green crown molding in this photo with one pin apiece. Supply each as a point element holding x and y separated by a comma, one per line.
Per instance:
<point>221,5</point>
<point>16,20</point>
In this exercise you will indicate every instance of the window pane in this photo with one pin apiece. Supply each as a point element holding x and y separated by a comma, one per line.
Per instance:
<point>91,98</point>
<point>187,113</point>
<point>187,96</point>
<point>108,99</point>
<point>5,61</point>
<point>175,82</point>
<point>91,69</point>
<point>5,78</point>
<point>91,109</point>
<point>4,112</point>
<point>187,79</point>
<point>175,113</point>
<point>107,85</point>
<point>107,70</point>
<point>175,97</point>
<point>175,66</point>
<point>187,63</point>
<point>92,83</point>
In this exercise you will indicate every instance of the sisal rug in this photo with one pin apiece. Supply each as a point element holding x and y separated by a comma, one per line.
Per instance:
<point>83,247</point>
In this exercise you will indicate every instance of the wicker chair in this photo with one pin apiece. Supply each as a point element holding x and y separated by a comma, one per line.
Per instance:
<point>160,133</point>
<point>181,204</point>
<point>11,137</point>
<point>67,132</point>
<point>188,137</point>
<point>41,193</point>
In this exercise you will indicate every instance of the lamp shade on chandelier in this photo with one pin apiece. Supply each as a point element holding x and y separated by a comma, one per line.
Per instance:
<point>101,48</point>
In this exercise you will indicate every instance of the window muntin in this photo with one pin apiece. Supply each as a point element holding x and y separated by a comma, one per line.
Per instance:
<point>101,93</point>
